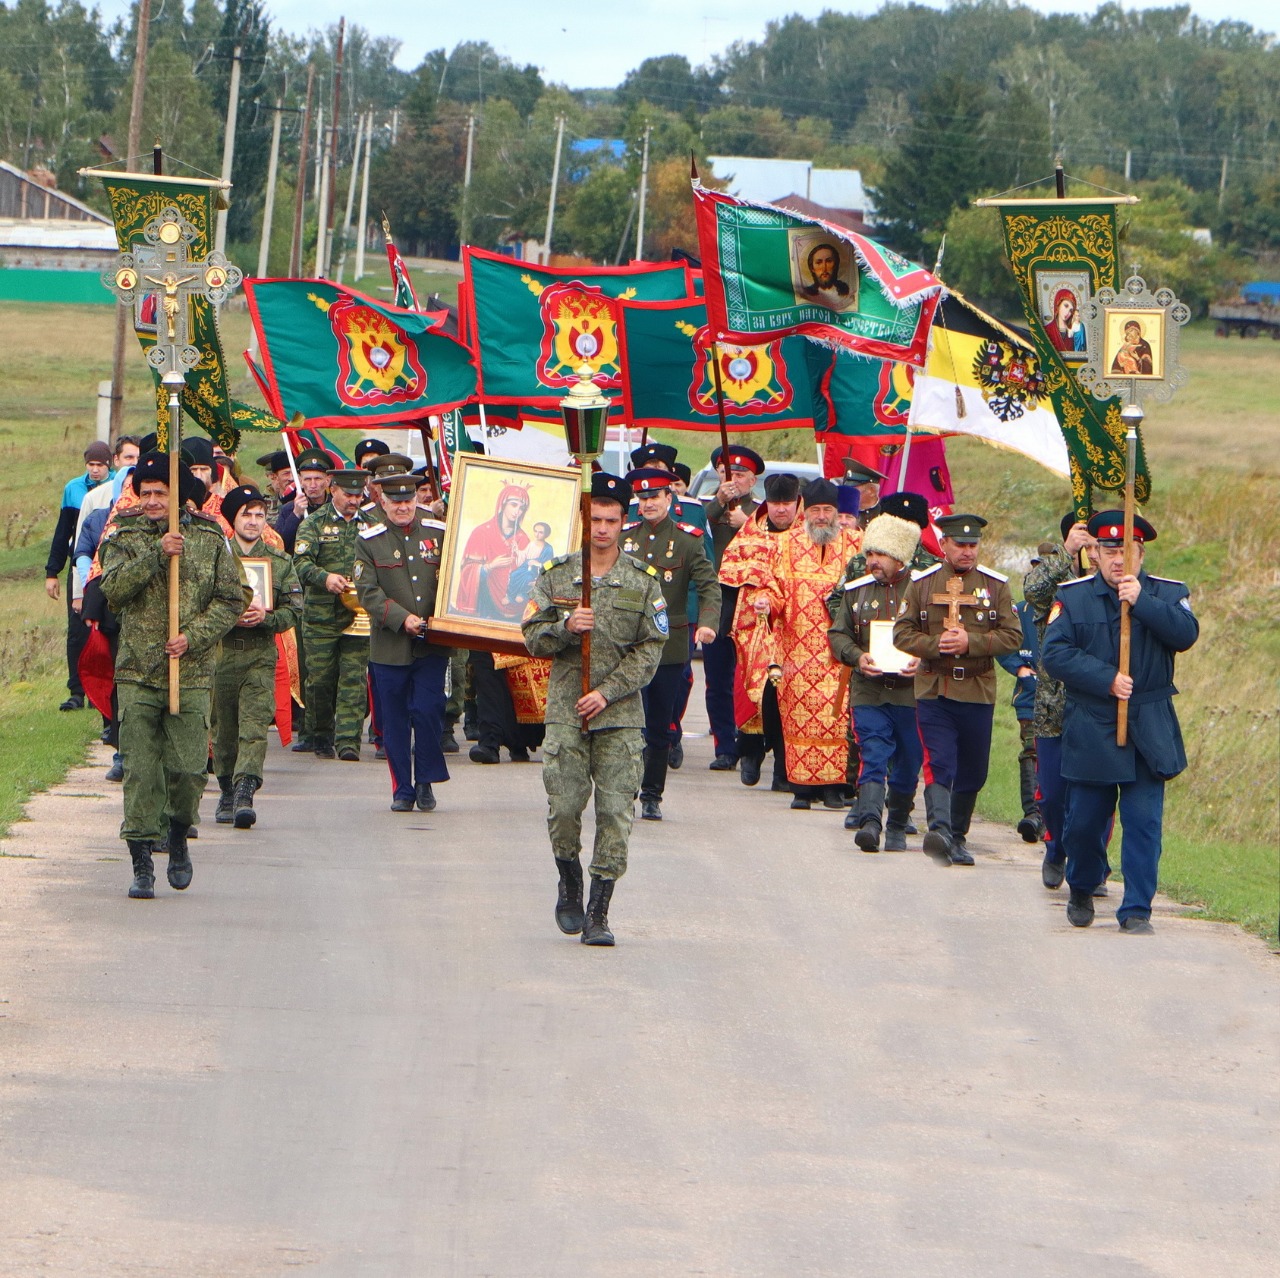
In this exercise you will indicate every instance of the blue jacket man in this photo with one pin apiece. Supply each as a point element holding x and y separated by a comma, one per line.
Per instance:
<point>1081,648</point>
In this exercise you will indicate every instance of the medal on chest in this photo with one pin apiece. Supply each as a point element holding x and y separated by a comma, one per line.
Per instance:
<point>668,575</point>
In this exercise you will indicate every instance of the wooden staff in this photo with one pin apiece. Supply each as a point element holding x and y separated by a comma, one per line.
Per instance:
<point>1132,417</point>
<point>425,431</point>
<point>174,381</point>
<point>584,507</point>
<point>724,430</point>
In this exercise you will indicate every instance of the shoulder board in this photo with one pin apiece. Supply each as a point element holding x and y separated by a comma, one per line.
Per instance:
<point>924,572</point>
<point>1168,581</point>
<point>692,529</point>
<point>129,515</point>
<point>630,524</point>
<point>207,522</point>
<point>991,572</point>
<point>555,563</point>
<point>431,523</point>
<point>650,569</point>
<point>1075,581</point>
<point>861,581</point>
<point>369,505</point>
<point>373,530</point>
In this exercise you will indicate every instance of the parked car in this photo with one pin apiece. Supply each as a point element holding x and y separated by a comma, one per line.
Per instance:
<point>706,481</point>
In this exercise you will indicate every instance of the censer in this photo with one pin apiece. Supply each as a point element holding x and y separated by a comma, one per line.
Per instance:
<point>359,627</point>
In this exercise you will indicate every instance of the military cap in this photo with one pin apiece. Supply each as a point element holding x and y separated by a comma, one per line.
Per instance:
<point>389,463</point>
<point>848,499</point>
<point>965,529</point>
<point>351,479</point>
<point>272,462</point>
<point>683,473</point>
<point>198,451</point>
<point>784,487</point>
<point>647,454</point>
<point>313,459</point>
<point>910,506</point>
<point>741,458</point>
<point>423,476</point>
<point>366,446</point>
<point>1108,527</point>
<point>153,468</point>
<point>649,479</point>
<point>98,452</point>
<point>606,487</point>
<point>857,472</point>
<point>238,498</point>
<point>397,484</point>
<point>820,492</point>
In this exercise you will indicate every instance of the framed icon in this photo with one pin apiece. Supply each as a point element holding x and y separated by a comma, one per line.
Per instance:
<point>1061,296</point>
<point>1133,343</point>
<point>257,573</point>
<point>823,272</point>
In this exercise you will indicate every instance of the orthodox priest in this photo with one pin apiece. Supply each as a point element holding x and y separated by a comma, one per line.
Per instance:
<point>809,561</point>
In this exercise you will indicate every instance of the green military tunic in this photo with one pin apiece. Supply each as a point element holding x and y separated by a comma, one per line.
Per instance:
<point>165,755</point>
<point>676,554</point>
<point>337,691</point>
<point>627,644</point>
<point>244,682</point>
<point>395,576</point>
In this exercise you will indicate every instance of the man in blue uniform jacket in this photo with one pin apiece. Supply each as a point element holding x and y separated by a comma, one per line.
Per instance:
<point>1081,648</point>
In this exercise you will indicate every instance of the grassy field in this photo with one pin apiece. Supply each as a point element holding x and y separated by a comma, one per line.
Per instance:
<point>1215,460</point>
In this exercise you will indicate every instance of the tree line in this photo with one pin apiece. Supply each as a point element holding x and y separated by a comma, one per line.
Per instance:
<point>936,107</point>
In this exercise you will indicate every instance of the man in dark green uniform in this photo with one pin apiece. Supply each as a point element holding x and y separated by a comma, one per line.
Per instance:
<point>675,552</point>
<point>324,555</point>
<point>244,680</point>
<point>397,560</point>
<point>165,756</point>
<point>595,740</point>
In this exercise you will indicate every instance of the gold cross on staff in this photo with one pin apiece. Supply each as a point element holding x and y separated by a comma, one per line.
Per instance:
<point>953,599</point>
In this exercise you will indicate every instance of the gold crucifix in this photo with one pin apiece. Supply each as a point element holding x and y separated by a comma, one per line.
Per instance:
<point>953,599</point>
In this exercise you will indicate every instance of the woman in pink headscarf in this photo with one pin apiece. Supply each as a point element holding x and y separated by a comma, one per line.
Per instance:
<point>494,548</point>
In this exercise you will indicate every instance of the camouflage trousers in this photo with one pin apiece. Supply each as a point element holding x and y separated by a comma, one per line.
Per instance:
<point>244,704</point>
<point>337,684</point>
<point>459,677</point>
<point>165,758</point>
<point>609,758</point>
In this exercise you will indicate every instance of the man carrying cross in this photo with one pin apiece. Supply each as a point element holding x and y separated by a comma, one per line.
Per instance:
<point>956,617</point>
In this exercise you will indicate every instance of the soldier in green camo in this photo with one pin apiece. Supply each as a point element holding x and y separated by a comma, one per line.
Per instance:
<point>165,755</point>
<point>244,682</point>
<point>596,738</point>
<point>324,555</point>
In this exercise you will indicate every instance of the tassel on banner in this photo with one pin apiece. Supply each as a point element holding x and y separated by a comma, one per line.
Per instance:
<point>961,411</point>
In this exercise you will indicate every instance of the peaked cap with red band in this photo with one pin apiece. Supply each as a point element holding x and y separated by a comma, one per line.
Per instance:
<point>743,458</point>
<point>649,479</point>
<point>1108,527</point>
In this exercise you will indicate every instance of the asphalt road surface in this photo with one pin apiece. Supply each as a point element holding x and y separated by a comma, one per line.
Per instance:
<point>358,1046</point>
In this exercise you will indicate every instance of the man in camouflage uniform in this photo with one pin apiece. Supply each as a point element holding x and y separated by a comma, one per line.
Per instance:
<point>324,555</point>
<point>165,756</point>
<point>676,553</point>
<point>244,681</point>
<point>629,627</point>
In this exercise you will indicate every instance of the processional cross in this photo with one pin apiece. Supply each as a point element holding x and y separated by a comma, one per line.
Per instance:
<point>162,267</point>
<point>953,599</point>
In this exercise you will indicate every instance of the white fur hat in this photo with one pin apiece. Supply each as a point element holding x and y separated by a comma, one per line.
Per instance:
<point>892,536</point>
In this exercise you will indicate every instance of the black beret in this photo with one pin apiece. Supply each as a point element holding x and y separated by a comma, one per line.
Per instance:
<point>651,453</point>
<point>153,468</point>
<point>820,492</point>
<point>1108,527</point>
<point>370,446</point>
<point>238,498</point>
<point>784,487</point>
<point>739,455</point>
<point>198,451</point>
<point>910,506</point>
<point>606,487</point>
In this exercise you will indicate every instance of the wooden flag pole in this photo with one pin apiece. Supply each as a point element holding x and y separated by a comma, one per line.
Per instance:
<point>584,503</point>
<point>724,430</point>
<point>1132,417</point>
<point>424,429</point>
<point>174,381</point>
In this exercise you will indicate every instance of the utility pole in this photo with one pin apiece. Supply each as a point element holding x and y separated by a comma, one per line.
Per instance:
<point>1222,183</point>
<point>395,123</point>
<point>228,148</point>
<point>351,197</point>
<point>322,197</point>
<point>300,195</point>
<point>555,183</point>
<point>364,197</point>
<point>644,194</point>
<point>269,207</point>
<point>124,314</point>
<point>335,121</point>
<point>1128,165</point>
<point>465,229</point>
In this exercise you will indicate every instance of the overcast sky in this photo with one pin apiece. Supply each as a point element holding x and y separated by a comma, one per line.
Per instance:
<point>595,45</point>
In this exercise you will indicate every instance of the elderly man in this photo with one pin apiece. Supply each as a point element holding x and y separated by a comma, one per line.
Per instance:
<point>810,559</point>
<point>1081,647</point>
<point>956,617</point>
<point>313,465</point>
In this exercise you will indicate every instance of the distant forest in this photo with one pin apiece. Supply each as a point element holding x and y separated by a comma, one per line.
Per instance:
<point>936,107</point>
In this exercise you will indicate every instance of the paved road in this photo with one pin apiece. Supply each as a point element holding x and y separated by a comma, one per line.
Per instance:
<point>359,1047</point>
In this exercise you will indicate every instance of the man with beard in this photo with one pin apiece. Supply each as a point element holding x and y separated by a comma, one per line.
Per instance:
<point>493,551</point>
<point>956,617</point>
<point>745,563</point>
<point>827,287</point>
<point>810,559</point>
<point>883,703</point>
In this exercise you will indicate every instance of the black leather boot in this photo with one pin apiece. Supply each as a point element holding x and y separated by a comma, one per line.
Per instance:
<point>937,838</point>
<point>961,814</point>
<point>143,887</point>
<point>324,748</point>
<point>595,931</point>
<point>749,769</point>
<point>653,782</point>
<point>1080,908</point>
<point>1031,827</point>
<point>897,817</point>
<point>868,817</point>
<point>569,915</point>
<point>179,857</point>
<point>226,808</point>
<point>246,788</point>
